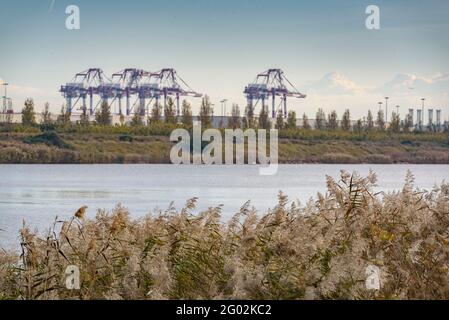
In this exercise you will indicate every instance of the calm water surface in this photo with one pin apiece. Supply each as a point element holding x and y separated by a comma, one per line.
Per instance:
<point>38,193</point>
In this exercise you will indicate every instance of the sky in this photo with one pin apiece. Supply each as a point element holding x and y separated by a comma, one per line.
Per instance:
<point>219,47</point>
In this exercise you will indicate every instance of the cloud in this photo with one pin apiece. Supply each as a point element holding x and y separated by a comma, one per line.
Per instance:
<point>19,93</point>
<point>335,91</point>
<point>334,83</point>
<point>22,90</point>
<point>404,84</point>
<point>52,4</point>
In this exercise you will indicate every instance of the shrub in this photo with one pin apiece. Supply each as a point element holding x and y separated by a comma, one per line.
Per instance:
<point>126,138</point>
<point>316,251</point>
<point>50,138</point>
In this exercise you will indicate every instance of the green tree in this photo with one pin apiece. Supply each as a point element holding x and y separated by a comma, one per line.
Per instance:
<point>408,123</point>
<point>186,118</point>
<point>369,121</point>
<point>346,121</point>
<point>46,115</point>
<point>380,121</point>
<point>305,122</point>
<point>84,118</point>
<point>248,120</point>
<point>264,120</point>
<point>28,114</point>
<point>280,121</point>
<point>395,124</point>
<point>170,112</point>
<point>103,116</point>
<point>64,117</point>
<point>206,112</point>
<point>332,120</point>
<point>156,113</point>
<point>234,121</point>
<point>122,119</point>
<point>359,126</point>
<point>136,120</point>
<point>320,120</point>
<point>291,120</point>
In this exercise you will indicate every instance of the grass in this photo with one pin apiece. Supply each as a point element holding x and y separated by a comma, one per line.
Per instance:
<point>150,144</point>
<point>317,250</point>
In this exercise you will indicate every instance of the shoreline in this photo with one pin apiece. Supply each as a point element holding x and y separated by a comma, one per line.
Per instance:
<point>148,145</point>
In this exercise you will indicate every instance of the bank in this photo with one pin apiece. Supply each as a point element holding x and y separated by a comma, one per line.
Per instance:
<point>137,147</point>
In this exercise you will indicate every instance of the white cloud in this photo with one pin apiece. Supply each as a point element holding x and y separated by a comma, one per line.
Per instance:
<point>412,85</point>
<point>14,89</point>
<point>19,93</point>
<point>336,92</point>
<point>334,83</point>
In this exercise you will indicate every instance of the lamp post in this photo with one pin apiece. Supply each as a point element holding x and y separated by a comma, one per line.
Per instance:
<point>422,114</point>
<point>386,109</point>
<point>223,107</point>
<point>5,98</point>
<point>380,105</point>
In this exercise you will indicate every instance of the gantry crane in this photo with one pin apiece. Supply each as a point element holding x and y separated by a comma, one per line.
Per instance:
<point>270,84</point>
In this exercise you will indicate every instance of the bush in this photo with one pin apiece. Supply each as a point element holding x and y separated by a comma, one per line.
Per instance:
<point>126,138</point>
<point>50,138</point>
<point>317,251</point>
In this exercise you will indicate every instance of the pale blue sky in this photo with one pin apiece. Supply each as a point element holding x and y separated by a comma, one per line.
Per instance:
<point>219,46</point>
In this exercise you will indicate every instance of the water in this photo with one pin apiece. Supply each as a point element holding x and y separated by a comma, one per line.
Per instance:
<point>38,193</point>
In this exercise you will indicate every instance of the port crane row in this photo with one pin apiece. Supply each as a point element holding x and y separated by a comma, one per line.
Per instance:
<point>139,88</point>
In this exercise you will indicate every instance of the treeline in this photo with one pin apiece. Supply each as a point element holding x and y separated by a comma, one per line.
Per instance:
<point>162,119</point>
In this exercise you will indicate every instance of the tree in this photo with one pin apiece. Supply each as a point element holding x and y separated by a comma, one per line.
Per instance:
<point>291,120</point>
<point>234,121</point>
<point>408,123</point>
<point>264,120</point>
<point>84,119</point>
<point>332,120</point>
<point>156,113</point>
<point>46,115</point>
<point>248,120</point>
<point>103,116</point>
<point>8,121</point>
<point>170,112</point>
<point>380,122</point>
<point>136,120</point>
<point>122,118</point>
<point>369,121</point>
<point>206,112</point>
<point>280,121</point>
<point>320,121</point>
<point>305,121</point>
<point>346,121</point>
<point>359,126</point>
<point>186,117</point>
<point>64,117</point>
<point>28,114</point>
<point>395,124</point>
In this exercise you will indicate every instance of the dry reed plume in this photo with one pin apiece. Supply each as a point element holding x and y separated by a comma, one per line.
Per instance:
<point>315,251</point>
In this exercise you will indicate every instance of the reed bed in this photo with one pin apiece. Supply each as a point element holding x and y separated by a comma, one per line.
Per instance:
<point>316,250</point>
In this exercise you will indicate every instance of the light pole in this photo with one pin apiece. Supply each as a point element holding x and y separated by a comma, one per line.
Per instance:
<point>223,107</point>
<point>386,109</point>
<point>5,98</point>
<point>422,115</point>
<point>380,105</point>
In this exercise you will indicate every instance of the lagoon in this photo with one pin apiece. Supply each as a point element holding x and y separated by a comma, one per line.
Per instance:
<point>39,193</point>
